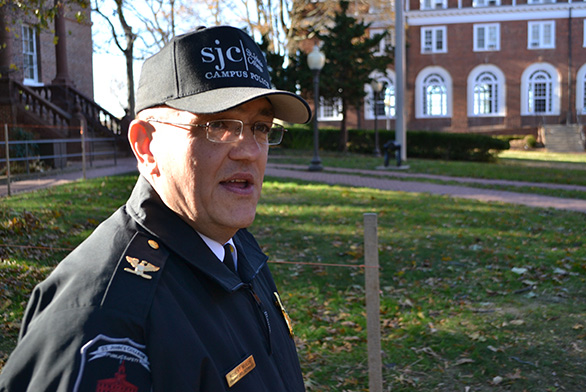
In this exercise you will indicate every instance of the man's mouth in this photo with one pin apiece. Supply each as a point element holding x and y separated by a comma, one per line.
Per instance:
<point>237,183</point>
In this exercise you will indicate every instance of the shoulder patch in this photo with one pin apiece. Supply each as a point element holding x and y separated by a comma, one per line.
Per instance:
<point>133,284</point>
<point>113,364</point>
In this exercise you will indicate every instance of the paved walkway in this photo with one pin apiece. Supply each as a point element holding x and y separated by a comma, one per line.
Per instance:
<point>124,165</point>
<point>392,180</point>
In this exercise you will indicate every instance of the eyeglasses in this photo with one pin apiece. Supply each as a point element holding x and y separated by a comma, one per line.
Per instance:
<point>230,131</point>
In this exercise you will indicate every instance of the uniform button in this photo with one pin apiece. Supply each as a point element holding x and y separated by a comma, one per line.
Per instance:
<point>153,244</point>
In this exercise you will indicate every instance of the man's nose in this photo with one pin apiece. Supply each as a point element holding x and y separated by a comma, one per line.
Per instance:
<point>247,145</point>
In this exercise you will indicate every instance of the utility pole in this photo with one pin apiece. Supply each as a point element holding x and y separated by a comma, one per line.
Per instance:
<point>400,128</point>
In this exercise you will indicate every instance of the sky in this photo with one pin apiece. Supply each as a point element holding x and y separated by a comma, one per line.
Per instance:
<point>109,65</point>
<point>109,72</point>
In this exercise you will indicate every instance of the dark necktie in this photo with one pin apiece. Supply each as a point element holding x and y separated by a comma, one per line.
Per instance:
<point>228,260</point>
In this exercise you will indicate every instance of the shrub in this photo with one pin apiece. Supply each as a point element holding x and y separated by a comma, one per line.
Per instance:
<point>530,141</point>
<point>420,144</point>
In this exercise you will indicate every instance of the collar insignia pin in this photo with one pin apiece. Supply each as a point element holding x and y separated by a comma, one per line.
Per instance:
<point>140,267</point>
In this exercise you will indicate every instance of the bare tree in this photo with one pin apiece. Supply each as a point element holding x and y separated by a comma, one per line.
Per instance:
<point>124,41</point>
<point>282,23</point>
<point>139,28</point>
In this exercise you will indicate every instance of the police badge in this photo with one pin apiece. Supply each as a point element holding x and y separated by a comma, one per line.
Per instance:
<point>285,314</point>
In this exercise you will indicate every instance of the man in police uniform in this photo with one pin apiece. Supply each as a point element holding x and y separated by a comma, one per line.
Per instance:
<point>171,293</point>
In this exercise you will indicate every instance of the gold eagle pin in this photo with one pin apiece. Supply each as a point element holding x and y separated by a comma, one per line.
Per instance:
<point>140,267</point>
<point>285,314</point>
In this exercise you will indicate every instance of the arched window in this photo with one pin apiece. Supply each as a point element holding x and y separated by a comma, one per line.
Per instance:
<point>485,94</point>
<point>435,96</point>
<point>540,95</point>
<point>433,93</point>
<point>385,103</point>
<point>388,97</point>
<point>486,91</point>
<point>540,90</point>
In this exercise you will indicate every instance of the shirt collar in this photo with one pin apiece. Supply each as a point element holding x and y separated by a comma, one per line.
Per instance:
<point>218,249</point>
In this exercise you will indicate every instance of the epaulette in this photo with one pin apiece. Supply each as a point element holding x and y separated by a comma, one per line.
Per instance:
<point>132,287</point>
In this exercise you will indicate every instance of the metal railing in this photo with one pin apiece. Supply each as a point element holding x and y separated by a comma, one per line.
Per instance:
<point>81,148</point>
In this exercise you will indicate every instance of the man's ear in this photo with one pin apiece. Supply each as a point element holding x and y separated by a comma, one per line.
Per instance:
<point>140,137</point>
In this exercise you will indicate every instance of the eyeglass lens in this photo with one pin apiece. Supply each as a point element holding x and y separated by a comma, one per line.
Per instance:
<point>226,131</point>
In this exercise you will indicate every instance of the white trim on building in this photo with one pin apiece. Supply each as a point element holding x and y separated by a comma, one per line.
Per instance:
<point>495,14</point>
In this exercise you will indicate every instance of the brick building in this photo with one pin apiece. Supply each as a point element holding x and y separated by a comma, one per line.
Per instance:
<point>490,66</point>
<point>34,55</point>
<point>46,76</point>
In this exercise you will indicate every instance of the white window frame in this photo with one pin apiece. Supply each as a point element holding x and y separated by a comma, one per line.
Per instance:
<point>438,34</point>
<point>30,53</point>
<point>492,37</point>
<point>331,111</point>
<point>433,4</point>
<point>486,3</point>
<point>435,96</point>
<point>540,1</point>
<point>553,90</point>
<point>421,97</point>
<point>389,96</point>
<point>540,87</point>
<point>499,92</point>
<point>536,35</point>
<point>382,46</point>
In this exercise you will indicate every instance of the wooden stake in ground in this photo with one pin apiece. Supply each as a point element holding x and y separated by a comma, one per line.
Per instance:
<point>372,285</point>
<point>7,159</point>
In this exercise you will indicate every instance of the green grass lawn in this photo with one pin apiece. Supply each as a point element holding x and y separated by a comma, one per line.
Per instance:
<point>515,165</point>
<point>485,296</point>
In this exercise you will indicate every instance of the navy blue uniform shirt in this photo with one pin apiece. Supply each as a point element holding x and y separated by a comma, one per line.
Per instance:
<point>144,305</point>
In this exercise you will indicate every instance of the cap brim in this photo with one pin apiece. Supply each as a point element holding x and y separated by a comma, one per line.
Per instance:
<point>288,107</point>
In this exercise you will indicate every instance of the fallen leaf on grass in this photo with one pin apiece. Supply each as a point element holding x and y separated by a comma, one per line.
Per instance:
<point>559,271</point>
<point>8,302</point>
<point>406,303</point>
<point>427,350</point>
<point>515,376</point>
<point>463,361</point>
<point>519,271</point>
<point>477,336</point>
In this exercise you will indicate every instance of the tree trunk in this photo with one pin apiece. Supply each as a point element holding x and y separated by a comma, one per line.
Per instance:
<point>128,54</point>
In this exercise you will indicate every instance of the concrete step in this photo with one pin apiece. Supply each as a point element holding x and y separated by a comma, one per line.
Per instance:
<point>563,138</point>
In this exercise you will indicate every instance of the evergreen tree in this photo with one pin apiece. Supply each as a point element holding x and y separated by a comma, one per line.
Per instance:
<point>283,76</point>
<point>349,61</point>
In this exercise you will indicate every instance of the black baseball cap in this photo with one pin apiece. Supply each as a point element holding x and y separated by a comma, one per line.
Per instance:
<point>212,70</point>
